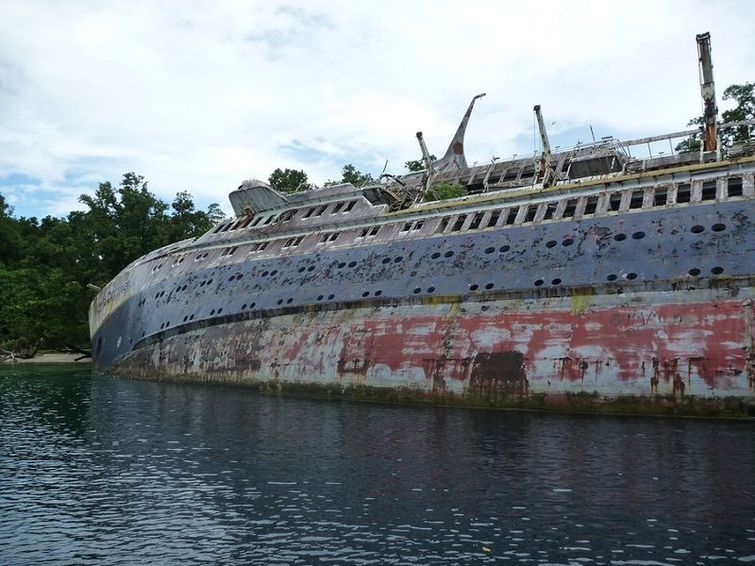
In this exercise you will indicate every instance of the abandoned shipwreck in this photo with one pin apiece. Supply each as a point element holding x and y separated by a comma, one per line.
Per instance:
<point>585,278</point>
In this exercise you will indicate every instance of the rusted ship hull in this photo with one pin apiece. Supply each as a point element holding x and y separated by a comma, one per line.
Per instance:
<point>587,352</point>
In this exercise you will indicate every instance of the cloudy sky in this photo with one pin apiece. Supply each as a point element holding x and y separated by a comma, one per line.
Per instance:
<point>200,95</point>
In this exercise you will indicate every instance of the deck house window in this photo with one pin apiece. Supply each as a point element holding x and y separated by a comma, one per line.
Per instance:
<point>418,225</point>
<point>570,209</point>
<point>494,216</point>
<point>614,202</point>
<point>459,223</point>
<point>660,197</point>
<point>550,208</point>
<point>683,193</point>
<point>406,227</point>
<point>476,221</point>
<point>512,215</point>
<point>637,198</point>
<point>442,226</point>
<point>531,212</point>
<point>591,205</point>
<point>374,231</point>
<point>709,190</point>
<point>734,187</point>
<point>320,210</point>
<point>349,206</point>
<point>337,208</point>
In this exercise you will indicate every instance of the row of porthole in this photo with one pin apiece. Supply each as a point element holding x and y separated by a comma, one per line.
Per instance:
<point>502,249</point>
<point>302,269</point>
<point>237,276</point>
<point>698,229</point>
<point>475,286</point>
<point>554,282</point>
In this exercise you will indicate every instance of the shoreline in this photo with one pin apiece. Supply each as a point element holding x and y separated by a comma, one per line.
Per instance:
<point>50,358</point>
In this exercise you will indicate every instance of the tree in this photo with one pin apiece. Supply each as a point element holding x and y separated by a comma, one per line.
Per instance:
<point>744,97</point>
<point>444,190</point>
<point>416,165</point>
<point>287,180</point>
<point>351,174</point>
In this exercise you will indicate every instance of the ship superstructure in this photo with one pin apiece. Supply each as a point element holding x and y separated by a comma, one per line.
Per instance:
<point>581,274</point>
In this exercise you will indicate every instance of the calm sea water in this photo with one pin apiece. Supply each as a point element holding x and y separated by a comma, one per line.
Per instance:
<point>119,471</point>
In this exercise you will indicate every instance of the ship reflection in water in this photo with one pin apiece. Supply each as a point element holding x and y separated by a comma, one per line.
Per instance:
<point>125,472</point>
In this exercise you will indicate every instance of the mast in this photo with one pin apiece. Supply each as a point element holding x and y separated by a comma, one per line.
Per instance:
<point>708,92</point>
<point>545,167</point>
<point>454,159</point>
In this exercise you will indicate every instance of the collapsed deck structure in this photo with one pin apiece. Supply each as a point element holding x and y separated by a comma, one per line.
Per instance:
<point>584,278</point>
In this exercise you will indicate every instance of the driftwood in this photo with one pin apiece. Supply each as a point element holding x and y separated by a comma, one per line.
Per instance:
<point>74,350</point>
<point>22,354</point>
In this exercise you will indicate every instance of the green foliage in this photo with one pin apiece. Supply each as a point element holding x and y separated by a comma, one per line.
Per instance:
<point>287,180</point>
<point>45,265</point>
<point>744,97</point>
<point>444,190</point>
<point>352,175</point>
<point>416,165</point>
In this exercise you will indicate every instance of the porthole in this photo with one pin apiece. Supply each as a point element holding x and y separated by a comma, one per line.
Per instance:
<point>252,305</point>
<point>436,255</point>
<point>638,235</point>
<point>386,260</point>
<point>231,278</point>
<point>265,273</point>
<point>301,269</point>
<point>239,276</point>
<point>694,272</point>
<point>341,265</point>
<point>220,310</point>
<point>162,326</point>
<point>489,250</point>
<point>311,268</point>
<point>631,276</point>
<point>489,286</point>
<point>398,259</point>
<point>539,282</point>
<point>718,227</point>
<point>352,264</point>
<point>504,249</point>
<point>551,244</point>
<point>366,294</point>
<point>167,324</point>
<point>612,277</point>
<point>320,297</point>
<point>567,242</point>
<point>209,282</point>
<point>448,254</point>
<point>280,301</point>
<point>473,287</point>
<point>620,237</point>
<point>697,229</point>
<point>431,289</point>
<point>212,312</point>
<point>191,317</point>
<point>243,307</point>
<point>378,293</point>
<point>416,290</point>
<point>273,272</point>
<point>184,287</point>
<point>330,297</point>
<point>556,281</point>
<point>289,300</point>
<point>717,270</point>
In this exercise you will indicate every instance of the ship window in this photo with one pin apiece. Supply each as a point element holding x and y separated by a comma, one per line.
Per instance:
<point>734,187</point>
<point>288,215</point>
<point>592,205</point>
<point>349,206</point>
<point>363,233</point>
<point>442,226</point>
<point>418,225</point>
<point>531,212</point>
<point>636,201</point>
<point>718,227</point>
<point>247,221</point>
<point>570,209</point>
<point>256,221</point>
<point>337,208</point>
<point>550,208</point>
<point>229,251</point>
<point>269,219</point>
<point>717,270</point>
<point>227,226</point>
<point>528,171</point>
<point>374,231</point>
<point>459,223</point>
<point>512,215</point>
<point>476,221</point>
<point>683,193</point>
<point>218,228</point>
<point>511,174</point>
<point>660,197</point>
<point>614,202</point>
<point>320,210</point>
<point>289,243</point>
<point>496,214</point>
<point>308,213</point>
<point>709,190</point>
<point>406,227</point>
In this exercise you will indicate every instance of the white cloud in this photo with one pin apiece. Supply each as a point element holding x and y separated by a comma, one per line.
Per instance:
<point>200,96</point>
